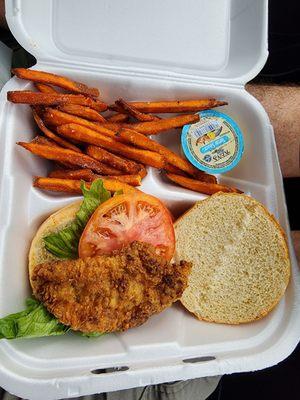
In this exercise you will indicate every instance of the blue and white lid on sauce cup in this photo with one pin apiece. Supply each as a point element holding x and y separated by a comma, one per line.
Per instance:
<point>214,144</point>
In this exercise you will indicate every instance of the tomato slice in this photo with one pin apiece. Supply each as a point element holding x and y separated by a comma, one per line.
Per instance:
<point>124,219</point>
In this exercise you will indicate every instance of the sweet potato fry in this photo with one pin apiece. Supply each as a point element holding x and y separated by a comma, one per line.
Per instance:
<point>119,117</point>
<point>65,155</point>
<point>174,170</point>
<point>49,142</point>
<point>86,174</point>
<point>132,180</point>
<point>41,87</point>
<point>144,142</point>
<point>114,126</point>
<point>200,186</point>
<point>86,135</point>
<point>56,118</point>
<point>73,186</point>
<point>142,172</point>
<point>199,175</point>
<point>154,127</point>
<point>89,176</point>
<point>62,142</point>
<point>134,112</point>
<point>44,140</point>
<point>55,80</point>
<point>64,166</point>
<point>54,99</point>
<point>128,166</point>
<point>82,111</point>
<point>175,106</point>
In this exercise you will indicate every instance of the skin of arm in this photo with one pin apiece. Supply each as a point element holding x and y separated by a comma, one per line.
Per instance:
<point>281,103</point>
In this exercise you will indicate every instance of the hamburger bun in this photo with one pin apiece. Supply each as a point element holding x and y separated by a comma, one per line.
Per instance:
<point>240,258</point>
<point>57,221</point>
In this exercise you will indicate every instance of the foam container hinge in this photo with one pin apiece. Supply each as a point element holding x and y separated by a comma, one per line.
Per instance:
<point>139,50</point>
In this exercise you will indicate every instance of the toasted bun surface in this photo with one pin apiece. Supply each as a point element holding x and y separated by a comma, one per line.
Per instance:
<point>57,221</point>
<point>241,264</point>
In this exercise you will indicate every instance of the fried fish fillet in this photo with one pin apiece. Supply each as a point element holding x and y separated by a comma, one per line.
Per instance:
<point>111,292</point>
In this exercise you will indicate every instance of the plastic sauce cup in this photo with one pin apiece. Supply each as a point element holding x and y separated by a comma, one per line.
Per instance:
<point>214,144</point>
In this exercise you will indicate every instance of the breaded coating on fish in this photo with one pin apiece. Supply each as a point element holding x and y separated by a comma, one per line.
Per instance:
<point>111,292</point>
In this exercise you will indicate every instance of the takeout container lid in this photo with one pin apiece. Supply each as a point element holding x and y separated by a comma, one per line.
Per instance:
<point>223,41</point>
<point>217,46</point>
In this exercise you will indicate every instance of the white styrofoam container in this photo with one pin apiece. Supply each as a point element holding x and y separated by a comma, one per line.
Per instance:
<point>139,49</point>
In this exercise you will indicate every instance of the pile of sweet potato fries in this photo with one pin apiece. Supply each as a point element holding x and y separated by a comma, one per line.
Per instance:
<point>86,145</point>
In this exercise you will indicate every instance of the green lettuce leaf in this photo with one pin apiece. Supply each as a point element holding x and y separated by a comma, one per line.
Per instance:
<point>34,321</point>
<point>64,244</point>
